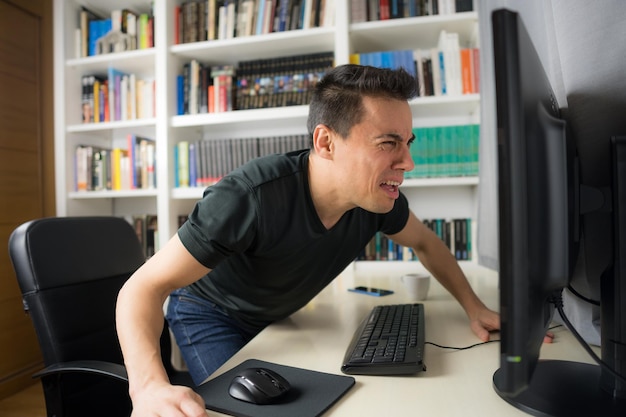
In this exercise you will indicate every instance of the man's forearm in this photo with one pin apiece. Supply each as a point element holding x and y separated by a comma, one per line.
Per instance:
<point>139,319</point>
<point>438,259</point>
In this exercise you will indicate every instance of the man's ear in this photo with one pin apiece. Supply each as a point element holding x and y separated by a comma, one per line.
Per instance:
<point>323,141</point>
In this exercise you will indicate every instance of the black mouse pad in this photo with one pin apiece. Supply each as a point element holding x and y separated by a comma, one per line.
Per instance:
<point>311,393</point>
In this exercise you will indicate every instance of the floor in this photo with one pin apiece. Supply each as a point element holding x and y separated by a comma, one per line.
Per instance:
<point>26,403</point>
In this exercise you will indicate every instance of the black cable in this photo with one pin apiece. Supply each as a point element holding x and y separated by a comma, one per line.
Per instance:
<point>557,300</point>
<point>582,297</point>
<point>475,344</point>
<point>462,348</point>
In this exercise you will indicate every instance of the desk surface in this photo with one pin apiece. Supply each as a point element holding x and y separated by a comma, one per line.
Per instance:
<point>456,382</point>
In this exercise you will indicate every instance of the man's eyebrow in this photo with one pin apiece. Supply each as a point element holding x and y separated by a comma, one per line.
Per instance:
<point>394,136</point>
<point>397,137</point>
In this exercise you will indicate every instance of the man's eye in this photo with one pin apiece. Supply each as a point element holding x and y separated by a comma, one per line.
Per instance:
<point>388,145</point>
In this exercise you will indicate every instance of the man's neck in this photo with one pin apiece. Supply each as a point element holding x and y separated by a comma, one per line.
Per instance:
<point>324,193</point>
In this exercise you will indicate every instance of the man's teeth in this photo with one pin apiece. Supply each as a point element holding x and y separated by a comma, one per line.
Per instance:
<point>392,183</point>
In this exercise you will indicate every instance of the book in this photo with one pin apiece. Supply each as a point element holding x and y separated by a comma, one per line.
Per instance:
<point>87,104</point>
<point>146,227</point>
<point>182,164</point>
<point>141,151</point>
<point>115,77</point>
<point>467,75</point>
<point>86,16</point>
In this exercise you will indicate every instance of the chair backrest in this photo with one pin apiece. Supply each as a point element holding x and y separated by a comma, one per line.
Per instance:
<point>70,270</point>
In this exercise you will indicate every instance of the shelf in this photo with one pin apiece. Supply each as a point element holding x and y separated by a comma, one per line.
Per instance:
<point>438,106</point>
<point>440,182</point>
<point>110,126</point>
<point>293,113</point>
<point>85,195</point>
<point>140,62</point>
<point>232,51</point>
<point>422,106</point>
<point>397,266</point>
<point>188,193</point>
<point>410,33</point>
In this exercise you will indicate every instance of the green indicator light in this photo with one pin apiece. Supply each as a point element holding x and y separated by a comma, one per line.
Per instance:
<point>514,359</point>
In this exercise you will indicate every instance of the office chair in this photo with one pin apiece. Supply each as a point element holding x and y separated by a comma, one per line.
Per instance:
<point>70,270</point>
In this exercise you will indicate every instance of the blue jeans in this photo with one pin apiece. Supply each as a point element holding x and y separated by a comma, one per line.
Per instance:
<point>206,335</point>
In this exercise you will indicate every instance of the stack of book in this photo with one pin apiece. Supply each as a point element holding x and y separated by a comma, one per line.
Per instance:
<point>447,69</point>
<point>387,59</point>
<point>147,229</point>
<point>116,96</point>
<point>279,82</point>
<point>445,151</point>
<point>455,233</point>
<point>262,83</point>
<point>99,169</point>
<point>381,248</point>
<point>369,10</point>
<point>123,30</point>
<point>444,70</point>
<point>208,20</point>
<point>204,162</point>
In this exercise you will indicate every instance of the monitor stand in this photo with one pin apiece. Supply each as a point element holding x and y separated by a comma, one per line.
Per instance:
<point>564,389</point>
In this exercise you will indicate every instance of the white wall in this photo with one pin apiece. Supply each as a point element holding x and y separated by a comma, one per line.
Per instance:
<point>537,16</point>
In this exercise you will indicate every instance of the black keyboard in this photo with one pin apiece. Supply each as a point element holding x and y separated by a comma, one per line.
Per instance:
<point>390,341</point>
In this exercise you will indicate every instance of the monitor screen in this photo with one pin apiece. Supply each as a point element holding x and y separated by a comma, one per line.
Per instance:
<point>539,195</point>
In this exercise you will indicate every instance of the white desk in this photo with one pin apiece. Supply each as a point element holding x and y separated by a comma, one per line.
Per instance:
<point>457,383</point>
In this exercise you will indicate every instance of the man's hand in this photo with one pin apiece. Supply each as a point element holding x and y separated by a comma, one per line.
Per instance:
<point>167,400</point>
<point>483,322</point>
<point>487,321</point>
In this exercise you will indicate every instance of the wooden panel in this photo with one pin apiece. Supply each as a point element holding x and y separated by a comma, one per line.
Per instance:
<point>26,131</point>
<point>19,41</point>
<point>17,337</point>
<point>19,114</point>
<point>20,185</point>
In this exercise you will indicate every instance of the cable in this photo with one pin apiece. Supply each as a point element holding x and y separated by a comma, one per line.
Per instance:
<point>475,344</point>
<point>462,348</point>
<point>557,300</point>
<point>582,297</point>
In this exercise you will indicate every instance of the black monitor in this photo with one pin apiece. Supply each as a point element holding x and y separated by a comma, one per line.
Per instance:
<point>542,208</point>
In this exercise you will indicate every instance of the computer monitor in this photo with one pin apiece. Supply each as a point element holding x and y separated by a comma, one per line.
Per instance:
<point>542,205</point>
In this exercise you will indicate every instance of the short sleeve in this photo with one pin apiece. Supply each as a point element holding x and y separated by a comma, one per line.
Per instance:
<point>223,222</point>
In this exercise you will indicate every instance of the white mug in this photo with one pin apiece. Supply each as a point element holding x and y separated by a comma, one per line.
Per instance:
<point>417,285</point>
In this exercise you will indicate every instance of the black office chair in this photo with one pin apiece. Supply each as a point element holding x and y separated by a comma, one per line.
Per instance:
<point>70,270</point>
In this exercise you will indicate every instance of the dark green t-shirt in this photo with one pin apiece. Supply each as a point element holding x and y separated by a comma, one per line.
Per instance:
<point>258,231</point>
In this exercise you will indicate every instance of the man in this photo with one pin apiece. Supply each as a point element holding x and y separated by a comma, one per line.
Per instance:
<point>272,234</point>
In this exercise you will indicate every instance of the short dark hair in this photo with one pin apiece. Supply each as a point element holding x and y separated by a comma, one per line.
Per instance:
<point>337,100</point>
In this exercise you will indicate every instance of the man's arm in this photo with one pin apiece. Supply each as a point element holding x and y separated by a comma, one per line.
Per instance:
<point>437,258</point>
<point>139,320</point>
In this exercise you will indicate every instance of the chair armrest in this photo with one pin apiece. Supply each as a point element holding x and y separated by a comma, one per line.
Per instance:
<point>109,369</point>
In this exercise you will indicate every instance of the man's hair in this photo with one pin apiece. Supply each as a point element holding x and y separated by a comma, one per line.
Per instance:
<point>337,100</point>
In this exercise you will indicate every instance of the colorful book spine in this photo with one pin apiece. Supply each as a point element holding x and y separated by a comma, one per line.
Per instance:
<point>445,151</point>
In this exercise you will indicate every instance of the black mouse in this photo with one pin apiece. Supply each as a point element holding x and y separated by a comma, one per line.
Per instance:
<point>258,386</point>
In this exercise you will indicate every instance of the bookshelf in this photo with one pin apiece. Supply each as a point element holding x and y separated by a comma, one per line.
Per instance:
<point>432,197</point>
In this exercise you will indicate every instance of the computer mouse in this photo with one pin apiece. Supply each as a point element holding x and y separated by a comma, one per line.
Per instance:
<point>258,386</point>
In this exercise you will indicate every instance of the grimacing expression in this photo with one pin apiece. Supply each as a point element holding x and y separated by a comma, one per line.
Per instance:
<point>376,154</point>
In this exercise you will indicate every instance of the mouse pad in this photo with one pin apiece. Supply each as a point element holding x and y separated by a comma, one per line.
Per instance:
<point>311,393</point>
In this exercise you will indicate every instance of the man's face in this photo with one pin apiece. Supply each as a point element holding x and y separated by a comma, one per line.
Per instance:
<point>373,158</point>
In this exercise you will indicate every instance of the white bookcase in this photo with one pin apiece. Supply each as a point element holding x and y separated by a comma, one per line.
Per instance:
<point>446,197</point>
